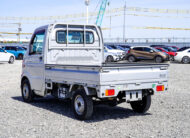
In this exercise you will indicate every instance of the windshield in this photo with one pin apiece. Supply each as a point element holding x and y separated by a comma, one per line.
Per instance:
<point>175,48</point>
<point>120,48</point>
<point>165,49</point>
<point>156,50</point>
<point>113,47</point>
<point>109,47</point>
<point>171,49</point>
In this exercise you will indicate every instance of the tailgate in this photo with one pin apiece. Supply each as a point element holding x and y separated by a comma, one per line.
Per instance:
<point>134,74</point>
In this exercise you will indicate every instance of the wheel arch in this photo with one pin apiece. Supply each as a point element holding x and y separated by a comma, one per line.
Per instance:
<point>24,78</point>
<point>184,57</point>
<point>86,89</point>
<point>131,55</point>
<point>157,56</point>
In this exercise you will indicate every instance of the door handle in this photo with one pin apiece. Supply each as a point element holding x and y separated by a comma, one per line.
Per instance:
<point>40,58</point>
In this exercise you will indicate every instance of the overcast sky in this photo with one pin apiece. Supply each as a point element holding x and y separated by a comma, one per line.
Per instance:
<point>28,8</point>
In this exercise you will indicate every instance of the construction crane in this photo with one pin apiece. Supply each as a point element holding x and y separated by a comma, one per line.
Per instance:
<point>101,12</point>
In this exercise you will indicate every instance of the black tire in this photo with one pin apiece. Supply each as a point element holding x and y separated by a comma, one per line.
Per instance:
<point>27,93</point>
<point>143,105</point>
<point>82,105</point>
<point>131,58</point>
<point>109,59</point>
<point>11,60</point>
<point>171,58</point>
<point>158,59</point>
<point>20,56</point>
<point>185,60</point>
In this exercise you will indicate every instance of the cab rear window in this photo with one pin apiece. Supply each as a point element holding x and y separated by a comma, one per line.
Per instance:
<point>74,37</point>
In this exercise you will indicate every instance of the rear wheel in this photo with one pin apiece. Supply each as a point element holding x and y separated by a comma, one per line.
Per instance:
<point>109,59</point>
<point>158,59</point>
<point>143,105</point>
<point>11,60</point>
<point>27,93</point>
<point>185,60</point>
<point>171,58</point>
<point>82,105</point>
<point>131,59</point>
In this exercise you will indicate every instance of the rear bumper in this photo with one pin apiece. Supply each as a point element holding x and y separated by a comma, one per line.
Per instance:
<point>131,86</point>
<point>178,59</point>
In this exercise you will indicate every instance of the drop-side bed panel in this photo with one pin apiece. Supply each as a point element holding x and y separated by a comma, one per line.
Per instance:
<point>131,75</point>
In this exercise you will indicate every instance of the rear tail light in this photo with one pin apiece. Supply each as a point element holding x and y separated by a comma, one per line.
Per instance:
<point>110,92</point>
<point>128,51</point>
<point>175,54</point>
<point>160,88</point>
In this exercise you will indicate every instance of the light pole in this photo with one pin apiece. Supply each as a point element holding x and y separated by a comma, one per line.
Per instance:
<point>87,2</point>
<point>124,22</point>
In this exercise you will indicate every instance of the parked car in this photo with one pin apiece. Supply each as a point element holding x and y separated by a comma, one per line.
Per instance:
<point>17,51</point>
<point>183,48</point>
<point>169,48</point>
<point>171,54</point>
<point>111,57</point>
<point>6,57</point>
<point>123,47</point>
<point>175,48</point>
<point>121,53</point>
<point>146,52</point>
<point>183,56</point>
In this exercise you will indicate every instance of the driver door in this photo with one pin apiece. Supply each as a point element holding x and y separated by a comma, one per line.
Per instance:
<point>35,61</point>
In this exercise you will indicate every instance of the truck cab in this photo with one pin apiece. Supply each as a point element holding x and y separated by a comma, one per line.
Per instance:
<point>67,62</point>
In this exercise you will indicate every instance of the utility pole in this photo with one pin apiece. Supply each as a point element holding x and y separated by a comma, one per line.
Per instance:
<point>110,21</point>
<point>124,22</point>
<point>87,2</point>
<point>19,31</point>
<point>110,28</point>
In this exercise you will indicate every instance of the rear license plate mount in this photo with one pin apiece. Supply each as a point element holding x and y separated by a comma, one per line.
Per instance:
<point>133,95</point>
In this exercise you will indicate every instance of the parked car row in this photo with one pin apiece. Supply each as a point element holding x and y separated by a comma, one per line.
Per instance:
<point>114,53</point>
<point>158,53</point>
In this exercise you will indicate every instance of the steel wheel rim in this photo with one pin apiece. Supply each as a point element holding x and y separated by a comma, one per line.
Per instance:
<point>25,91</point>
<point>79,104</point>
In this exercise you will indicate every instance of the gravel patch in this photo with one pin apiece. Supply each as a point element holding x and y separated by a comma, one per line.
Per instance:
<point>169,114</point>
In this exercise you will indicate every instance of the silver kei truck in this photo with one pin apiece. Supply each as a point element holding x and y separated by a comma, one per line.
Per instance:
<point>67,61</point>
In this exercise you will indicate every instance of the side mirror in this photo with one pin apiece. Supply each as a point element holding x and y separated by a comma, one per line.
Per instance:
<point>151,51</point>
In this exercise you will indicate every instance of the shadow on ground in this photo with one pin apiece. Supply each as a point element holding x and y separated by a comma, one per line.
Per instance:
<point>101,112</point>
